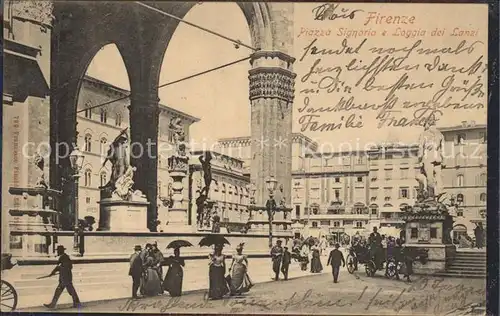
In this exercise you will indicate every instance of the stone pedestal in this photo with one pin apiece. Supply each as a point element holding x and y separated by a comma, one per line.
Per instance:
<point>428,227</point>
<point>123,216</point>
<point>31,223</point>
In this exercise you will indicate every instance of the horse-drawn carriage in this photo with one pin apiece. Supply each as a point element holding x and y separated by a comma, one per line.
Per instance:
<point>373,262</point>
<point>9,295</point>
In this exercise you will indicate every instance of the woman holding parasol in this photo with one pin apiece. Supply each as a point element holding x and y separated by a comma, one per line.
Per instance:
<point>218,286</point>
<point>173,280</point>
<point>240,281</point>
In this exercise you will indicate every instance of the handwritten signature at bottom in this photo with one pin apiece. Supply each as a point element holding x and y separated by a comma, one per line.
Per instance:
<point>429,297</point>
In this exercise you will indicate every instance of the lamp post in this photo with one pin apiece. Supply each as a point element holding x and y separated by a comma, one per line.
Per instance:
<point>76,159</point>
<point>271,184</point>
<point>253,189</point>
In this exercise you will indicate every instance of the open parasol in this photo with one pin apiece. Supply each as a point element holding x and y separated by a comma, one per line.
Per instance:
<point>213,239</point>
<point>179,243</point>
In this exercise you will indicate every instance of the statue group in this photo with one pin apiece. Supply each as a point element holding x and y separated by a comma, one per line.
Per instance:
<point>121,181</point>
<point>180,159</point>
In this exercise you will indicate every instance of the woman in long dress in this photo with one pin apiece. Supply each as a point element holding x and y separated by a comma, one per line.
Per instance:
<point>316,266</point>
<point>217,281</point>
<point>173,280</point>
<point>304,256</point>
<point>240,281</point>
<point>152,282</point>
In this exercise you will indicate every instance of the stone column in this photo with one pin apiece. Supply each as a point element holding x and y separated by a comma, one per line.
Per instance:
<point>271,95</point>
<point>144,117</point>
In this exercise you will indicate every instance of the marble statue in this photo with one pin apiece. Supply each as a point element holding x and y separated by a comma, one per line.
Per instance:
<point>180,159</point>
<point>118,155</point>
<point>430,156</point>
<point>123,186</point>
<point>178,129</point>
<point>40,163</point>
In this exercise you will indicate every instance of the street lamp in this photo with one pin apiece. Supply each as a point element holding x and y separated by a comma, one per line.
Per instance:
<point>253,189</point>
<point>271,184</point>
<point>76,159</point>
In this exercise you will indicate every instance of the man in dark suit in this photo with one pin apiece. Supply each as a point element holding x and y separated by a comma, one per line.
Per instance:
<point>276,257</point>
<point>64,267</point>
<point>375,242</point>
<point>287,259</point>
<point>135,270</point>
<point>335,259</point>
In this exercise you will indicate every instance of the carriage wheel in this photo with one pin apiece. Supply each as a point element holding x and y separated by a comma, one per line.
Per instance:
<point>351,264</point>
<point>370,268</point>
<point>9,297</point>
<point>391,269</point>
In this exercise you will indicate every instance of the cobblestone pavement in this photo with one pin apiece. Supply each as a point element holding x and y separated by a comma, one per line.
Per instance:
<point>354,294</point>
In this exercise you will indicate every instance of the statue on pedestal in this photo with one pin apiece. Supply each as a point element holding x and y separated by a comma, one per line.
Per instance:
<point>122,173</point>
<point>430,156</point>
<point>118,155</point>
<point>180,159</point>
<point>200,209</point>
<point>207,172</point>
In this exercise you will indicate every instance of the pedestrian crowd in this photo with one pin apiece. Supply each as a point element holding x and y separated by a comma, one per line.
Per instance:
<point>147,264</point>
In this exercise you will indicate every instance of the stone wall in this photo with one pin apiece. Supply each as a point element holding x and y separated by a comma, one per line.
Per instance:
<point>111,244</point>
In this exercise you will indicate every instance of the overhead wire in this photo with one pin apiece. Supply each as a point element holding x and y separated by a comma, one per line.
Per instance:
<point>237,44</point>
<point>169,83</point>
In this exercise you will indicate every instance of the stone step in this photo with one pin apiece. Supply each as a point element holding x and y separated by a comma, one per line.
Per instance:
<point>467,271</point>
<point>470,255</point>
<point>460,275</point>
<point>470,261</point>
<point>469,265</point>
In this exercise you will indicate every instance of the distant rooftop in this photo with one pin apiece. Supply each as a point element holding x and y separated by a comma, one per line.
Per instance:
<point>296,138</point>
<point>119,92</point>
<point>465,125</point>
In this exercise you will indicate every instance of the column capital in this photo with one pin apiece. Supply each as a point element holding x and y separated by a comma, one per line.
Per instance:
<point>274,57</point>
<point>272,82</point>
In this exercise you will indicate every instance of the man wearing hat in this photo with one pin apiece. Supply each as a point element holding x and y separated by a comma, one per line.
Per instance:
<point>287,259</point>
<point>335,259</point>
<point>135,270</point>
<point>276,256</point>
<point>64,267</point>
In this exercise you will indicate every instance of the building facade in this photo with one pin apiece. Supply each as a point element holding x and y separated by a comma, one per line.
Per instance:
<point>465,173</point>
<point>27,30</point>
<point>98,127</point>
<point>229,191</point>
<point>344,192</point>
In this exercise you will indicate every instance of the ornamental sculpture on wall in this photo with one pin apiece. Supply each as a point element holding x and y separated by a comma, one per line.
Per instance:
<point>39,11</point>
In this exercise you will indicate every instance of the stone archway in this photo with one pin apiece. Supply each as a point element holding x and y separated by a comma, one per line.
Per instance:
<point>136,35</point>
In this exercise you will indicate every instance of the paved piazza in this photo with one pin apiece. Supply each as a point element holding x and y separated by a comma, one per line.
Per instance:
<point>354,294</point>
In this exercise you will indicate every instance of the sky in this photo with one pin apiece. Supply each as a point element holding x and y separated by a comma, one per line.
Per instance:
<point>220,99</point>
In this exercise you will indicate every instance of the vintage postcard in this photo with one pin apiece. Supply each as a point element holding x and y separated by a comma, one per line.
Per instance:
<point>245,158</point>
